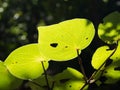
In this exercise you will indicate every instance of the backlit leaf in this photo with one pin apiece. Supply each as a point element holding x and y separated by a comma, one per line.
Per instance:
<point>7,81</point>
<point>112,72</point>
<point>109,30</point>
<point>25,62</point>
<point>100,55</point>
<point>61,41</point>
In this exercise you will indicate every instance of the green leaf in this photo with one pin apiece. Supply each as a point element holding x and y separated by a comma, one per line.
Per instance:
<point>7,81</point>
<point>100,56</point>
<point>69,79</point>
<point>109,30</point>
<point>25,62</point>
<point>61,41</point>
<point>112,72</point>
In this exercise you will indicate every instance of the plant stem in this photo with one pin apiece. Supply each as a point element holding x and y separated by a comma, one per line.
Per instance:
<point>46,78</point>
<point>93,75</point>
<point>102,65</point>
<point>81,66</point>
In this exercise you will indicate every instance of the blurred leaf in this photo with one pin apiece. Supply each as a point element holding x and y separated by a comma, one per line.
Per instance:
<point>7,81</point>
<point>61,41</point>
<point>25,62</point>
<point>109,31</point>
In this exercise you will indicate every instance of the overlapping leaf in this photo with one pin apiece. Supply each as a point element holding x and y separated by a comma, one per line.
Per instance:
<point>100,56</point>
<point>61,41</point>
<point>25,62</point>
<point>7,81</point>
<point>109,30</point>
<point>112,70</point>
<point>69,79</point>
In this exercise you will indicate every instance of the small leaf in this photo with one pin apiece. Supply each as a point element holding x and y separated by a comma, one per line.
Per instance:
<point>7,81</point>
<point>109,31</point>
<point>61,41</point>
<point>25,62</point>
<point>100,56</point>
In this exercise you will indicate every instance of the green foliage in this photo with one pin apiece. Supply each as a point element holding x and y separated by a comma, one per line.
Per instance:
<point>7,81</point>
<point>112,72</point>
<point>100,56</point>
<point>109,30</point>
<point>62,42</point>
<point>25,62</point>
<point>69,79</point>
<point>65,38</point>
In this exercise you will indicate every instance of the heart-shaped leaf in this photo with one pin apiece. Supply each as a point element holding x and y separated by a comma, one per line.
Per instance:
<point>25,62</point>
<point>61,41</point>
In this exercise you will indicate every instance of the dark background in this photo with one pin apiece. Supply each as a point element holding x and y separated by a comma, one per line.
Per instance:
<point>19,20</point>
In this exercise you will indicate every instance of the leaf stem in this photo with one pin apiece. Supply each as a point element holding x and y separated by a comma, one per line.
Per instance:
<point>81,66</point>
<point>46,78</point>
<point>93,75</point>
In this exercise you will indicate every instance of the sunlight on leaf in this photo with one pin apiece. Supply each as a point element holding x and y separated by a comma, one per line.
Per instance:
<point>100,55</point>
<point>69,79</point>
<point>109,30</point>
<point>25,62</point>
<point>7,81</point>
<point>112,72</point>
<point>61,41</point>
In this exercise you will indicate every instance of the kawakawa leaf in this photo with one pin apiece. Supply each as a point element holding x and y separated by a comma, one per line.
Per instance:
<point>25,62</point>
<point>8,81</point>
<point>109,30</point>
<point>100,56</point>
<point>61,41</point>
<point>69,79</point>
<point>112,72</point>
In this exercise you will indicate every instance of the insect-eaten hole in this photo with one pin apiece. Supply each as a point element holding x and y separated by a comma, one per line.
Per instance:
<point>54,45</point>
<point>117,68</point>
<point>86,38</point>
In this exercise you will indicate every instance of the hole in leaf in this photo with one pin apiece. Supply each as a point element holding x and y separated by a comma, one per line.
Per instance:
<point>108,62</point>
<point>70,86</point>
<point>66,46</point>
<point>54,44</point>
<point>117,68</point>
<point>64,80</point>
<point>87,38</point>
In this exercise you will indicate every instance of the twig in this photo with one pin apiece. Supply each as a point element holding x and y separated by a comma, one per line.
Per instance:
<point>46,78</point>
<point>81,66</point>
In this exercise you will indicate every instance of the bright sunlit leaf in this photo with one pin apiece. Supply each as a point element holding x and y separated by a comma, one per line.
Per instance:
<point>109,30</point>
<point>61,41</point>
<point>7,81</point>
<point>112,72</point>
<point>100,56</point>
<point>25,62</point>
